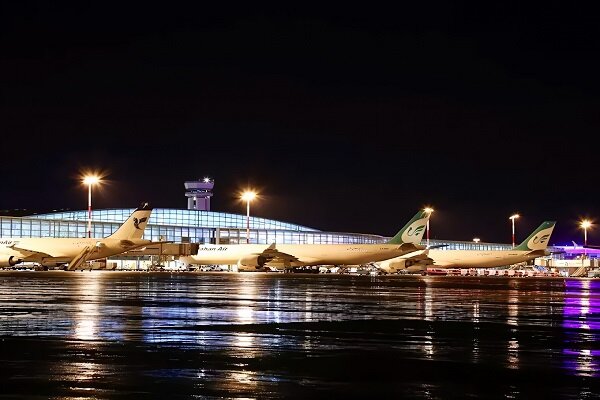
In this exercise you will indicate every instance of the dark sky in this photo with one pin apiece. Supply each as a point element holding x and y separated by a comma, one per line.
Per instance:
<point>346,118</point>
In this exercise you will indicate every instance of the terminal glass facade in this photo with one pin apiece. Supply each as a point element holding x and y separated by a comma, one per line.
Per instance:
<point>176,217</point>
<point>457,245</point>
<point>178,226</point>
<point>196,226</point>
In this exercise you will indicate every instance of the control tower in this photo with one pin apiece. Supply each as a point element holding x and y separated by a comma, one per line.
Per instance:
<point>199,193</point>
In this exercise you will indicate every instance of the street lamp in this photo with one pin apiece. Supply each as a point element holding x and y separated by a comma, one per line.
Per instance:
<point>248,196</point>
<point>512,218</point>
<point>428,210</point>
<point>585,224</point>
<point>90,180</point>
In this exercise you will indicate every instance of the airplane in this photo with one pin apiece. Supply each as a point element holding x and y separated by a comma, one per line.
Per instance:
<point>534,246</point>
<point>54,252</point>
<point>256,257</point>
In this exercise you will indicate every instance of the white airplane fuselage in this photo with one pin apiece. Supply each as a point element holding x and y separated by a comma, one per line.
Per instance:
<point>466,259</point>
<point>64,249</point>
<point>479,258</point>
<point>307,254</point>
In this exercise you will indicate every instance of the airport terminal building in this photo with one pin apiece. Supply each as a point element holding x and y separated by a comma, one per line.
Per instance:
<point>197,224</point>
<point>176,225</point>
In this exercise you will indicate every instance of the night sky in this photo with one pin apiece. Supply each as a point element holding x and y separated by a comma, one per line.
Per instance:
<point>346,118</point>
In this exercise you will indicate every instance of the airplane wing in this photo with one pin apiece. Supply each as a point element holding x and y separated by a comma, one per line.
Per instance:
<point>539,253</point>
<point>29,252</point>
<point>274,256</point>
<point>585,246</point>
<point>418,255</point>
<point>422,255</point>
<point>411,247</point>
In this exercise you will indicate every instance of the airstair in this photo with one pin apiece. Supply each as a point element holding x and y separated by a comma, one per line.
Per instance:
<point>80,258</point>
<point>581,271</point>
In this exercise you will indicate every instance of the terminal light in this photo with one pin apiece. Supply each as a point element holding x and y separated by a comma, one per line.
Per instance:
<point>512,218</point>
<point>585,225</point>
<point>248,196</point>
<point>429,211</point>
<point>476,240</point>
<point>90,180</point>
<point>206,180</point>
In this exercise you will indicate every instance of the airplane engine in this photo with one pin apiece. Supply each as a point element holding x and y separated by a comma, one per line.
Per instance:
<point>407,265</point>
<point>392,266</point>
<point>9,261</point>
<point>252,261</point>
<point>417,268</point>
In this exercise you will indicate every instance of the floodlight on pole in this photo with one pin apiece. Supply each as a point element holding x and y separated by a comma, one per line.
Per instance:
<point>90,180</point>
<point>429,211</point>
<point>476,240</point>
<point>512,218</point>
<point>248,196</point>
<point>585,225</point>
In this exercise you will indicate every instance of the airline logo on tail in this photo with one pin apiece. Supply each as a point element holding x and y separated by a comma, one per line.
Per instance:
<point>137,222</point>
<point>414,232</point>
<point>539,241</point>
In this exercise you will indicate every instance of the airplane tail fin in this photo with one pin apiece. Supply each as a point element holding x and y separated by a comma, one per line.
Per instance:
<point>413,231</point>
<point>539,239</point>
<point>133,227</point>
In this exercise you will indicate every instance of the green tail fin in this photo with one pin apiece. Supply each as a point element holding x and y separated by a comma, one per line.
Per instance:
<point>413,231</point>
<point>539,239</point>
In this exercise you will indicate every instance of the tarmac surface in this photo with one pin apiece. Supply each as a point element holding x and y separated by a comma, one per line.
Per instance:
<point>125,335</point>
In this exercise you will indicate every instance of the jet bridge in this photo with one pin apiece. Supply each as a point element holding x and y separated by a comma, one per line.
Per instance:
<point>165,249</point>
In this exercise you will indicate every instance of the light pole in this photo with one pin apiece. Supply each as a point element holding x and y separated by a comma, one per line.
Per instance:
<point>428,210</point>
<point>512,218</point>
<point>248,196</point>
<point>585,224</point>
<point>476,240</point>
<point>90,180</point>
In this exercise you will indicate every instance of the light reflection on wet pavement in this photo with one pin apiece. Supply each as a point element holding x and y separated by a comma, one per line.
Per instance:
<point>256,335</point>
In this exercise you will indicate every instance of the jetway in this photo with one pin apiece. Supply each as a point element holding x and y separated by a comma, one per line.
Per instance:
<point>150,257</point>
<point>165,249</point>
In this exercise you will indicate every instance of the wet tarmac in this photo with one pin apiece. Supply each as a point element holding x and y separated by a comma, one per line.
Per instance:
<point>117,335</point>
